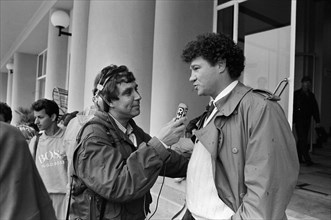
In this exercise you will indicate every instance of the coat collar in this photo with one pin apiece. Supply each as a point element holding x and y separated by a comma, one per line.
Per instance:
<point>209,136</point>
<point>228,104</point>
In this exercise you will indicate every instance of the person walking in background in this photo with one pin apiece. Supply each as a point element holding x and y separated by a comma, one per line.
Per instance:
<point>22,191</point>
<point>5,113</point>
<point>49,153</point>
<point>305,107</point>
<point>244,163</point>
<point>115,163</point>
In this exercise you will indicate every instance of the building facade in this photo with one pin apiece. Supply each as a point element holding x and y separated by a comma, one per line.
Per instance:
<point>148,37</point>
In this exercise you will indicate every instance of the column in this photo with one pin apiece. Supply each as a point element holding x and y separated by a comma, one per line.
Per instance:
<point>24,83</point>
<point>176,23</point>
<point>78,55</point>
<point>56,65</point>
<point>3,86</point>
<point>9,87</point>
<point>121,32</point>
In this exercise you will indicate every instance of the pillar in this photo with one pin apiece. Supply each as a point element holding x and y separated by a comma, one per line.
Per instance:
<point>24,83</point>
<point>176,23</point>
<point>78,55</point>
<point>121,32</point>
<point>56,64</point>
<point>9,87</point>
<point>3,86</point>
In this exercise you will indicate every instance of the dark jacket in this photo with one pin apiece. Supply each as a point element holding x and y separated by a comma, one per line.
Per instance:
<point>305,106</point>
<point>22,192</point>
<point>254,154</point>
<point>112,176</point>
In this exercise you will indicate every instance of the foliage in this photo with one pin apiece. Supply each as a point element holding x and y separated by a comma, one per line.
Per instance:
<point>26,116</point>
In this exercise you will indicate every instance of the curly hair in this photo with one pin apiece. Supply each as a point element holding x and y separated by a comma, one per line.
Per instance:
<point>50,107</point>
<point>109,78</point>
<point>214,47</point>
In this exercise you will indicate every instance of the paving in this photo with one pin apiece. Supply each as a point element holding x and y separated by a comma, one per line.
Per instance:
<point>311,199</point>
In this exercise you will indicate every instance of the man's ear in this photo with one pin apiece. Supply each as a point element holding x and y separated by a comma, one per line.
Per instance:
<point>221,65</point>
<point>53,117</point>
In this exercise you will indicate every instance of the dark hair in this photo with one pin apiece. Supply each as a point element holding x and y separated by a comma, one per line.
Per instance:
<point>109,77</point>
<point>5,110</point>
<point>49,105</point>
<point>306,79</point>
<point>214,47</point>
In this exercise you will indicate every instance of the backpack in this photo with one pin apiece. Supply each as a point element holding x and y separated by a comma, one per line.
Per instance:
<point>80,186</point>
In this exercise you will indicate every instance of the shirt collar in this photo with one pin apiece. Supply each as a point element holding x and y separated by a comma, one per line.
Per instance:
<point>226,91</point>
<point>126,130</point>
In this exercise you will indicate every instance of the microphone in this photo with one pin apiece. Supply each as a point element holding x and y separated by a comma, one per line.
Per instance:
<point>181,111</point>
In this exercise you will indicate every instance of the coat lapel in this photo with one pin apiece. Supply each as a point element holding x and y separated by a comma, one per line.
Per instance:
<point>211,135</point>
<point>208,136</point>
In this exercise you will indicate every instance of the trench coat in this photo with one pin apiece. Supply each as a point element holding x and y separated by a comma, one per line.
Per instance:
<point>254,154</point>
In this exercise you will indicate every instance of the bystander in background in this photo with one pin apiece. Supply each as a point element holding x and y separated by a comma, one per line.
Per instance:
<point>305,108</point>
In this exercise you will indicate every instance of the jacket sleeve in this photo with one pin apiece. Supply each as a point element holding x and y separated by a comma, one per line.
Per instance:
<point>103,169</point>
<point>176,164</point>
<point>271,164</point>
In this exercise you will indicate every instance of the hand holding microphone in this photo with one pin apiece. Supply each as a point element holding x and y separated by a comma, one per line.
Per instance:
<point>174,129</point>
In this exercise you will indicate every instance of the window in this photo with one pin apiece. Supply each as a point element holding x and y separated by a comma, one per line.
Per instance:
<point>41,75</point>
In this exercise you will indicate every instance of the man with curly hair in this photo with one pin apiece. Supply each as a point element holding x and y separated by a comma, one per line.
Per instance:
<point>244,163</point>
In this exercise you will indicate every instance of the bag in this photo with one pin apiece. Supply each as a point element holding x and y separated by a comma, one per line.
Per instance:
<point>81,187</point>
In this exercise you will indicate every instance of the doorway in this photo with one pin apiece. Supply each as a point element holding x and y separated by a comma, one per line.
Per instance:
<point>266,33</point>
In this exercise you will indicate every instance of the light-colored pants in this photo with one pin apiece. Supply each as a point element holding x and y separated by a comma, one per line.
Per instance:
<point>59,201</point>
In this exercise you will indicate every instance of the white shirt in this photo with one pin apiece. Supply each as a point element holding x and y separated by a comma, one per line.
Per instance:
<point>202,197</point>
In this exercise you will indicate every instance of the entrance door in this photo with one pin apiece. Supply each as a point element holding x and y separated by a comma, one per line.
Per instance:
<point>265,32</point>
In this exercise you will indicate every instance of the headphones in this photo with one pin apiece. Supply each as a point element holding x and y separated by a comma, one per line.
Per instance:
<point>107,74</point>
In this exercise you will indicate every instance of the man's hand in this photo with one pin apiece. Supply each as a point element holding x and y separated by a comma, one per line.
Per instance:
<point>172,131</point>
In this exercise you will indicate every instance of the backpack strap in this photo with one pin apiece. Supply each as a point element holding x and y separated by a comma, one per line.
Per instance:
<point>78,141</point>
